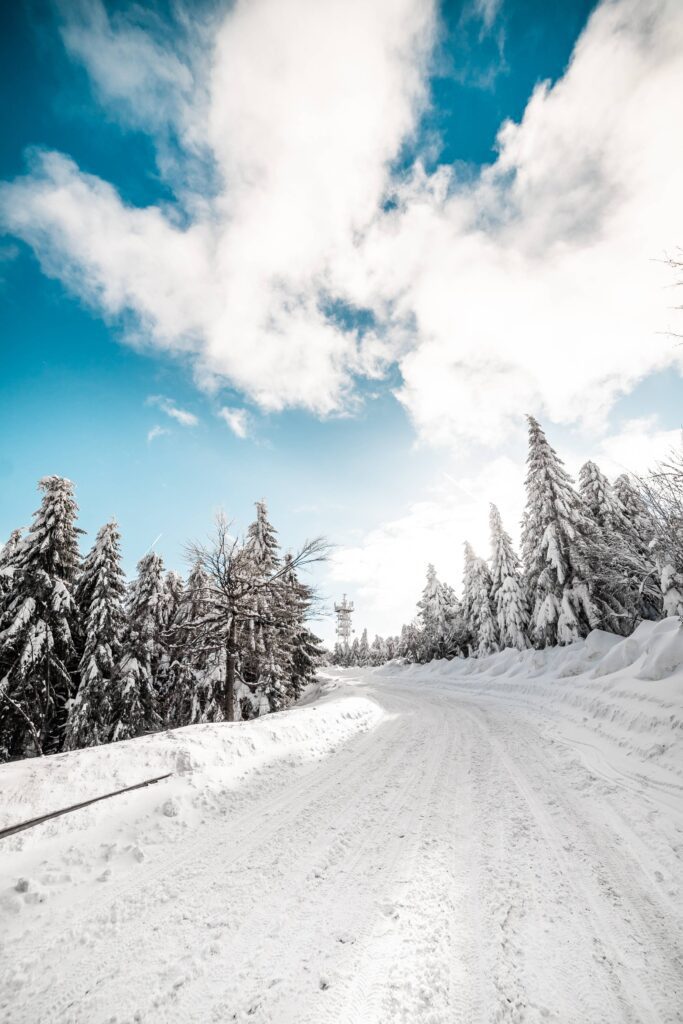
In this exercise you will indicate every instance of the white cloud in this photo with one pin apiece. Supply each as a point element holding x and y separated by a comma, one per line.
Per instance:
<point>167,405</point>
<point>636,447</point>
<point>129,69</point>
<point>236,419</point>
<point>300,106</point>
<point>533,288</point>
<point>156,431</point>
<point>537,287</point>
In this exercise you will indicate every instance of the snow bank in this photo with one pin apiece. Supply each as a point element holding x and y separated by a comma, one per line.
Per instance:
<point>213,757</point>
<point>620,697</point>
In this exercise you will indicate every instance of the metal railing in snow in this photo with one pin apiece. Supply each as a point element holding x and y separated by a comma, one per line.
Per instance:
<point>13,829</point>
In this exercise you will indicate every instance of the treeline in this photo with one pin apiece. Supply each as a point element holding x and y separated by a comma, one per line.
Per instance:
<point>361,652</point>
<point>603,556</point>
<point>86,658</point>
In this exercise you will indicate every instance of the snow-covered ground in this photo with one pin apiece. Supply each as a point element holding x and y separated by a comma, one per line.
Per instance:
<point>480,841</point>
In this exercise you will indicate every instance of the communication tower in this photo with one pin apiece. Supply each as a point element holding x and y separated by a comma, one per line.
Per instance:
<point>343,610</point>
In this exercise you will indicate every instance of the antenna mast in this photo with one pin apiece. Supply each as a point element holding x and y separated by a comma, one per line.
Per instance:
<point>343,610</point>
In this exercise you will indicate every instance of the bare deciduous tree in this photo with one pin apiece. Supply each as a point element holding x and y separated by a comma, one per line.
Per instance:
<point>230,591</point>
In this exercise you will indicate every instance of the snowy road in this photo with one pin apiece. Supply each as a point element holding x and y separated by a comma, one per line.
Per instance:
<point>458,862</point>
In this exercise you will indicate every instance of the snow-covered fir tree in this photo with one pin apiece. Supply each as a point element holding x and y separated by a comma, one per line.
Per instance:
<point>364,649</point>
<point>643,537</point>
<point>468,595</point>
<point>429,606</point>
<point>10,558</point>
<point>432,616</point>
<point>378,651</point>
<point>662,493</point>
<point>338,654</point>
<point>37,627</point>
<point>455,633</point>
<point>634,508</point>
<point>190,676</point>
<point>508,595</point>
<point>173,593</point>
<point>100,593</point>
<point>481,626</point>
<point>601,500</point>
<point>136,708</point>
<point>262,660</point>
<point>559,547</point>
<point>303,648</point>
<point>626,564</point>
<point>173,586</point>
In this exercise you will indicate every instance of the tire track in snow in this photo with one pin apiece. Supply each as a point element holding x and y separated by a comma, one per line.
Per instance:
<point>588,871</point>
<point>362,844</point>
<point>455,866</point>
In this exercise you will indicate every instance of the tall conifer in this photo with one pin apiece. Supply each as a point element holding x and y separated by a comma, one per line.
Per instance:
<point>100,594</point>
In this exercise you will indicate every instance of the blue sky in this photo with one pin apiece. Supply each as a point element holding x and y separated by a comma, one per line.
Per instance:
<point>333,243</point>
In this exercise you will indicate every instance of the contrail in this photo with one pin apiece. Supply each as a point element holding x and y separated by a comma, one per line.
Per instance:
<point>155,541</point>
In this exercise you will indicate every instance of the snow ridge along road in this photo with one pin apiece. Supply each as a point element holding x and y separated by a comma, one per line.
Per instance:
<point>496,841</point>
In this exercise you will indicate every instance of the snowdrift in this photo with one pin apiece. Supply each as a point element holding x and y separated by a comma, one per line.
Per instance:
<point>619,701</point>
<point>204,760</point>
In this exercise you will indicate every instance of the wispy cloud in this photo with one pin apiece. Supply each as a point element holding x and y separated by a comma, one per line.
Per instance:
<point>157,431</point>
<point>236,419</point>
<point>8,253</point>
<point>168,406</point>
<point>487,10</point>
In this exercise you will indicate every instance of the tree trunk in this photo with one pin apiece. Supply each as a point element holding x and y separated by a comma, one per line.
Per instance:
<point>230,666</point>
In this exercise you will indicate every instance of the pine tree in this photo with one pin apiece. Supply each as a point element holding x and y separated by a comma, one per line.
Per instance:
<point>469,587</point>
<point>99,596</point>
<point>453,630</point>
<point>507,588</point>
<point>136,703</point>
<point>662,493</point>
<point>600,499</point>
<point>481,624</point>
<point>173,593</point>
<point>432,615</point>
<point>190,679</point>
<point>559,551</point>
<point>303,649</point>
<point>642,536</point>
<point>635,510</point>
<point>37,627</point>
<point>377,651</point>
<point>364,649</point>
<point>10,558</point>
<point>429,605</point>
<point>409,642</point>
<point>262,660</point>
<point>626,568</point>
<point>273,680</point>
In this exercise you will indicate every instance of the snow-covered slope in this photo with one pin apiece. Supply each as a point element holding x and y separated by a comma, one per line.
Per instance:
<point>209,758</point>
<point>492,840</point>
<point>618,700</point>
